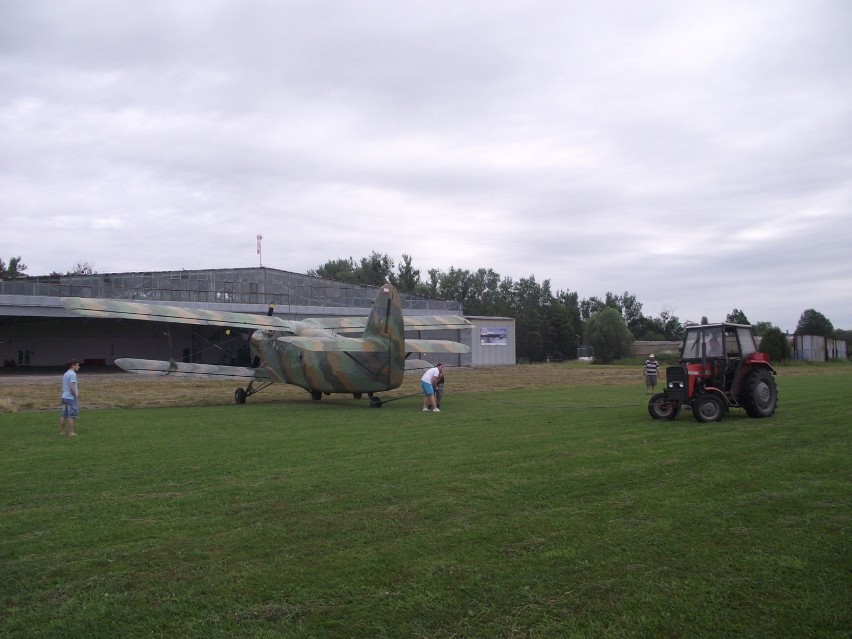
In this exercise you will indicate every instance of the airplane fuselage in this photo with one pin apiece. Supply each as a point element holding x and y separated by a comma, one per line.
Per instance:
<point>328,372</point>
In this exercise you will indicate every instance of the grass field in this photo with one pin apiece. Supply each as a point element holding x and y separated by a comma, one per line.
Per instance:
<point>550,509</point>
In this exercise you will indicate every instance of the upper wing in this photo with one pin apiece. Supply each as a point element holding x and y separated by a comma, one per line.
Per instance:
<point>116,309</point>
<point>435,322</point>
<point>205,371</point>
<point>334,343</point>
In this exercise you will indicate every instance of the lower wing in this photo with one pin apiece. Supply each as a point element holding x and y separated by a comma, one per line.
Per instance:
<point>198,371</point>
<point>434,346</point>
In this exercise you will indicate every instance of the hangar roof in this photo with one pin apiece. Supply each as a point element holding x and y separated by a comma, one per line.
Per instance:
<point>239,289</point>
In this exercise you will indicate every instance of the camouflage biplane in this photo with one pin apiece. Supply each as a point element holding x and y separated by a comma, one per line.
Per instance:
<point>321,355</point>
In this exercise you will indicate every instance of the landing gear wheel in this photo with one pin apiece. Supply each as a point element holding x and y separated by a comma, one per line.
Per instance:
<point>708,407</point>
<point>660,407</point>
<point>760,395</point>
<point>316,395</point>
<point>240,396</point>
<point>375,402</point>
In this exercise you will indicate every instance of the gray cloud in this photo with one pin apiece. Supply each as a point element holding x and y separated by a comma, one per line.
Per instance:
<point>695,154</point>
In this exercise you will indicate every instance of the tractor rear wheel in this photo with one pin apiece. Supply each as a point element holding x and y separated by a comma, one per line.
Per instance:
<point>760,394</point>
<point>708,407</point>
<point>660,407</point>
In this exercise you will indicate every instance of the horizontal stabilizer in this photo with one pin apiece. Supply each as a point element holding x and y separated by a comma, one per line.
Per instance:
<point>116,309</point>
<point>417,365</point>
<point>434,346</point>
<point>198,371</point>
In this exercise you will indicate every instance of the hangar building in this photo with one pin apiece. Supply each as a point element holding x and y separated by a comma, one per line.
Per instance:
<point>36,331</point>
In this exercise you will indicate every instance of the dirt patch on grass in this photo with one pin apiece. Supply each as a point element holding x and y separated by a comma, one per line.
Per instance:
<point>125,390</point>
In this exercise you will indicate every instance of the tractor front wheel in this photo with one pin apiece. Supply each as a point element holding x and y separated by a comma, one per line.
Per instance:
<point>660,407</point>
<point>708,407</point>
<point>760,394</point>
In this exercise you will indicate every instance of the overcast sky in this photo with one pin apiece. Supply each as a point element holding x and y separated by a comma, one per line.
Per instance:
<point>695,154</point>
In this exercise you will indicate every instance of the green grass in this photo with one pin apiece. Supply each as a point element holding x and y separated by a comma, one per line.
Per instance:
<point>524,514</point>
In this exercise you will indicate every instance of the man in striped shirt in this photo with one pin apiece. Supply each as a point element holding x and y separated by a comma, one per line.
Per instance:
<point>651,367</point>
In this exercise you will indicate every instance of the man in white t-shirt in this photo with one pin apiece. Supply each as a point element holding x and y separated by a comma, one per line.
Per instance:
<point>70,399</point>
<point>427,385</point>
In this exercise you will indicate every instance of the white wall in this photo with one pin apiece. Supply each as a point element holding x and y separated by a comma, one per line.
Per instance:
<point>489,354</point>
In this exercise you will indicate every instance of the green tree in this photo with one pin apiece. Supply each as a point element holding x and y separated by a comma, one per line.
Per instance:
<point>608,334</point>
<point>813,322</point>
<point>455,285</point>
<point>375,270</point>
<point>736,316</point>
<point>629,307</point>
<point>590,306</point>
<point>529,320</point>
<point>648,329</point>
<point>561,337</point>
<point>430,288</point>
<point>13,270</point>
<point>845,335</point>
<point>407,277</point>
<point>571,302</point>
<point>483,294</point>
<point>669,324</point>
<point>760,328</point>
<point>774,343</point>
<point>83,268</point>
<point>341,270</point>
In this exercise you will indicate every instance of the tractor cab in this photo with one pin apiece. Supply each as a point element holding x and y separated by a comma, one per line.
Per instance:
<point>717,340</point>
<point>715,353</point>
<point>720,368</point>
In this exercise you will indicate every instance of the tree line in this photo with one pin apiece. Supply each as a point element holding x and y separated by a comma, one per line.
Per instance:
<point>553,323</point>
<point>547,323</point>
<point>16,269</point>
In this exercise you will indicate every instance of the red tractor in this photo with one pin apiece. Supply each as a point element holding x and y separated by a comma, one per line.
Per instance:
<point>719,368</point>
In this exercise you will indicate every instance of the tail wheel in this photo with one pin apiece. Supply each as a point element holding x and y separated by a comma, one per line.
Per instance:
<point>708,407</point>
<point>316,395</point>
<point>660,407</point>
<point>760,394</point>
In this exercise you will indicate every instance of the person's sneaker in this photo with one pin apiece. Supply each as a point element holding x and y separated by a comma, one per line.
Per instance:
<point>436,410</point>
<point>425,410</point>
<point>72,434</point>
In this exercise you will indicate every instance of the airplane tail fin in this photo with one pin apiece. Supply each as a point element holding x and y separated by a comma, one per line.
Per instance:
<point>386,326</point>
